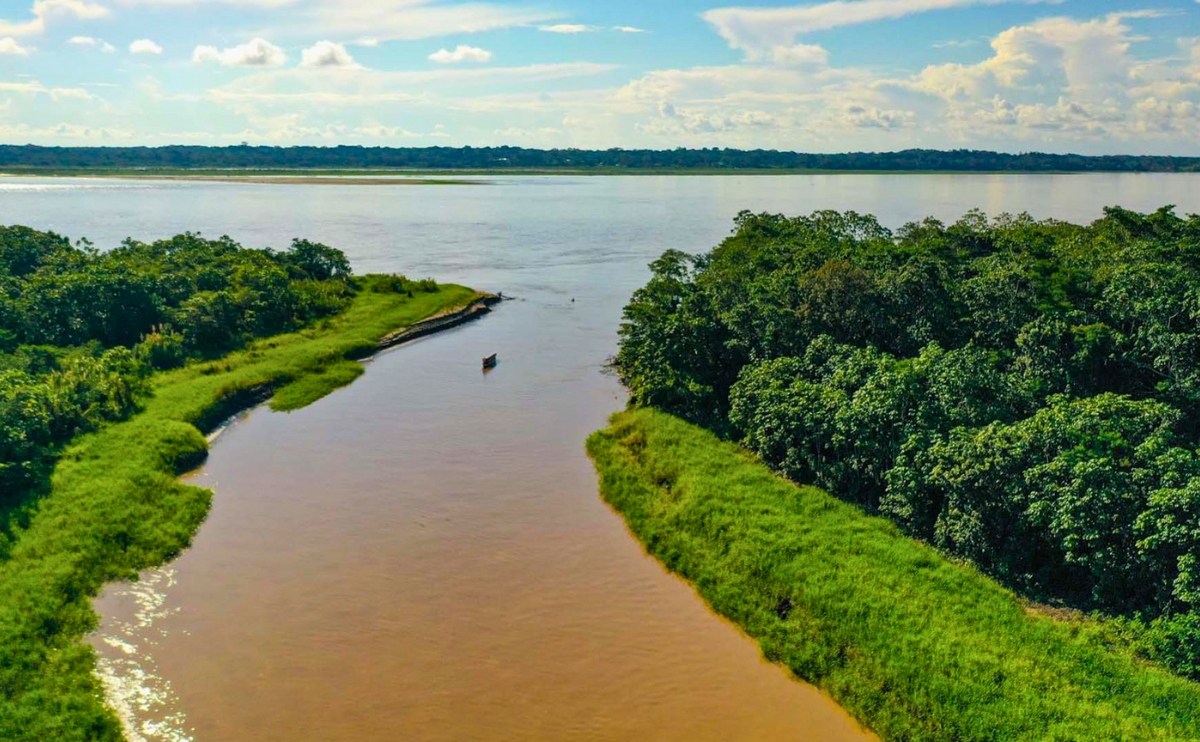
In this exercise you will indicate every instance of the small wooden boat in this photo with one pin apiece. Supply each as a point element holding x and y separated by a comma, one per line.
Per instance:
<point>490,361</point>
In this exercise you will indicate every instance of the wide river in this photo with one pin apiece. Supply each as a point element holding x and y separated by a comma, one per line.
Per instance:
<point>423,555</point>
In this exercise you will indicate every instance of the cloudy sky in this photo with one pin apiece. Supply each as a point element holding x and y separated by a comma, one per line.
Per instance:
<point>1094,76</point>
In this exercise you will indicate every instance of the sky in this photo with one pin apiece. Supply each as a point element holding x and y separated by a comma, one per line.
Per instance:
<point>1088,76</point>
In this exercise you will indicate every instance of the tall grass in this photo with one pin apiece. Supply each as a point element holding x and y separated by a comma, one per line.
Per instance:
<point>915,646</point>
<point>115,506</point>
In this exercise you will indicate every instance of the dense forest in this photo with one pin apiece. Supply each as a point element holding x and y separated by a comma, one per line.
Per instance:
<point>80,330</point>
<point>1024,394</point>
<point>487,158</point>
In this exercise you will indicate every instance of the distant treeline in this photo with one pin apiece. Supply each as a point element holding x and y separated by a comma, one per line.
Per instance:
<point>477,158</point>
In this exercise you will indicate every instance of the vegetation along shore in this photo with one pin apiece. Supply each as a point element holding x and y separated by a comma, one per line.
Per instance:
<point>30,158</point>
<point>292,177</point>
<point>1020,395</point>
<point>914,645</point>
<point>114,366</point>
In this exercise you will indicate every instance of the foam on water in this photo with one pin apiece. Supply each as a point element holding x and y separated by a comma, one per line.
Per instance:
<point>143,700</point>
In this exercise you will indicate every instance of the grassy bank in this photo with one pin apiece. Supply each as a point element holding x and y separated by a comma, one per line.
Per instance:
<point>115,505</point>
<point>915,646</point>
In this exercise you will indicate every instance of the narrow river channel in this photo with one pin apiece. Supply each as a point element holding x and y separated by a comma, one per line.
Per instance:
<point>423,555</point>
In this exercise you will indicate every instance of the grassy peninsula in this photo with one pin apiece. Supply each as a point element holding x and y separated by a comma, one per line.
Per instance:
<point>112,367</point>
<point>917,647</point>
<point>1018,395</point>
<point>115,507</point>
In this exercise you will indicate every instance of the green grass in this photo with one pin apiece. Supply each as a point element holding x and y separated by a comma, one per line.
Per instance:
<point>115,506</point>
<point>913,645</point>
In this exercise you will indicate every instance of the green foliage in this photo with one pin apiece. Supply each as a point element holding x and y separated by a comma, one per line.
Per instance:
<point>317,262</point>
<point>397,284</point>
<point>214,294</point>
<point>308,389</point>
<point>114,505</point>
<point>138,160</point>
<point>919,648</point>
<point>162,350</point>
<point>1023,394</point>
<point>38,411</point>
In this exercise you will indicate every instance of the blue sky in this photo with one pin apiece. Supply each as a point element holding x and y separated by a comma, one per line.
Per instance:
<point>1093,76</point>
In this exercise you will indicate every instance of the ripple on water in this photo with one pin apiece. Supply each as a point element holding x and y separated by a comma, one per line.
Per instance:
<point>143,700</point>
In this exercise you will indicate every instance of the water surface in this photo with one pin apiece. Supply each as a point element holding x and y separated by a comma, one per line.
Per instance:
<point>423,554</point>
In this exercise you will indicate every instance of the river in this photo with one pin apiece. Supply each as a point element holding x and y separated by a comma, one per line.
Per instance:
<point>423,555</point>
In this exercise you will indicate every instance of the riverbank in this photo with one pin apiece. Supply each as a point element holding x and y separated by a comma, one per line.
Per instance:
<point>265,177</point>
<point>417,176</point>
<point>115,506</point>
<point>913,645</point>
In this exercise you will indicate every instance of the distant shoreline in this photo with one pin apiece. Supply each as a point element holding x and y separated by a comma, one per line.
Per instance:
<point>416,177</point>
<point>261,178</point>
<point>489,160</point>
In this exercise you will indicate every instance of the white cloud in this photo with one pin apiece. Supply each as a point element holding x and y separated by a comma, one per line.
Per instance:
<point>409,20</point>
<point>145,46</point>
<point>461,53</point>
<point>379,131</point>
<point>960,44</point>
<point>255,53</point>
<point>635,29</point>
<point>357,86</point>
<point>1084,58</point>
<point>568,28</point>
<point>800,55</point>
<point>516,132</point>
<point>11,132</point>
<point>183,3</point>
<point>758,30</point>
<point>46,10</point>
<point>100,44</point>
<point>327,54</point>
<point>9,45</point>
<point>870,117</point>
<point>33,87</point>
<point>1056,83</point>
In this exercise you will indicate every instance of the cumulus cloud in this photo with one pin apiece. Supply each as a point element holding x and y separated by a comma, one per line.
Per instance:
<point>800,55</point>
<point>44,11</point>
<point>145,46</point>
<point>9,45</point>
<point>327,54</point>
<point>461,53</point>
<point>756,31</point>
<point>1084,58</point>
<point>1056,82</point>
<point>255,53</point>
<point>100,44</point>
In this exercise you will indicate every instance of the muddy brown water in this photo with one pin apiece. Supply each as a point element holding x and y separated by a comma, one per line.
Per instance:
<point>423,555</point>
